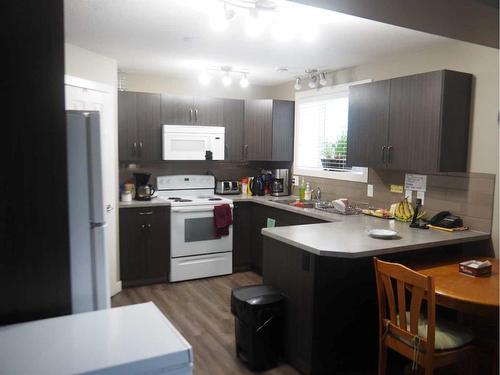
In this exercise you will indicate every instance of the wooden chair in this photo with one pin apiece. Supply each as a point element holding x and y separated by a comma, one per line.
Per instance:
<point>399,328</point>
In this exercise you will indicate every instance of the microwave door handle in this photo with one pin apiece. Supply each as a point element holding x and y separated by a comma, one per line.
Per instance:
<point>195,209</point>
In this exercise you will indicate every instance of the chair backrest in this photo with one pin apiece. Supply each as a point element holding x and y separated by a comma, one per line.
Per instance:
<point>392,304</point>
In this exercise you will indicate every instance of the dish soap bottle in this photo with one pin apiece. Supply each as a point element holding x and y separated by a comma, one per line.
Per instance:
<point>308,192</point>
<point>302,190</point>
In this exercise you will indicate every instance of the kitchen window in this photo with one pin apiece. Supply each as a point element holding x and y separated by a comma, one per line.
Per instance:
<point>321,121</point>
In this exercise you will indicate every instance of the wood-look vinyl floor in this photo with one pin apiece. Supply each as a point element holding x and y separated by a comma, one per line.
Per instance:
<point>200,310</point>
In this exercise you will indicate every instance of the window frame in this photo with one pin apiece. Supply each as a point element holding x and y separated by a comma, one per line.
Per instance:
<point>357,174</point>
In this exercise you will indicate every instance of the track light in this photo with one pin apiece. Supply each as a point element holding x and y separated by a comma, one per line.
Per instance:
<point>298,83</point>
<point>322,79</point>
<point>313,82</point>
<point>244,81</point>
<point>226,80</point>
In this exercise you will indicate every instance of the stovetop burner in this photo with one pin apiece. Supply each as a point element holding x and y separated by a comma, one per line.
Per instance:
<point>177,199</point>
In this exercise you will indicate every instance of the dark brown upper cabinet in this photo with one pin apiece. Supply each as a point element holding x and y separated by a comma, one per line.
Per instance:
<point>269,127</point>
<point>188,110</point>
<point>415,123</point>
<point>139,126</point>
<point>368,124</point>
<point>233,120</point>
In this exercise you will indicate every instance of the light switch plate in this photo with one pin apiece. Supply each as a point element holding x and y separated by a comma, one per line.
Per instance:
<point>369,190</point>
<point>295,180</point>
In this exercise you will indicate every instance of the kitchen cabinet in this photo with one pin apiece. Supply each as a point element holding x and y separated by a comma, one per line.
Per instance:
<point>424,119</point>
<point>368,124</point>
<point>139,126</point>
<point>188,110</point>
<point>144,245</point>
<point>260,214</point>
<point>242,222</point>
<point>233,121</point>
<point>269,127</point>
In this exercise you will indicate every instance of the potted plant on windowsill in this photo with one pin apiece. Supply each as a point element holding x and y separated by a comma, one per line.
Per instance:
<point>334,154</point>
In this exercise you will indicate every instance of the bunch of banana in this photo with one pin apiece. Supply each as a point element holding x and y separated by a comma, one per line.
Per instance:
<point>403,211</point>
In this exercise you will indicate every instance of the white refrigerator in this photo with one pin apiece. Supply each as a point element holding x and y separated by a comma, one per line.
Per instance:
<point>88,255</point>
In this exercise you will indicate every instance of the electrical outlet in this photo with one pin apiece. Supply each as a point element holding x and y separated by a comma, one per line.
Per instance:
<point>369,190</point>
<point>295,180</point>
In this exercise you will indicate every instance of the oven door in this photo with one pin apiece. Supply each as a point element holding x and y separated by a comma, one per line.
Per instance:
<point>193,232</point>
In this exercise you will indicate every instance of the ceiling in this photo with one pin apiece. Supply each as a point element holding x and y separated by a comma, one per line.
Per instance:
<point>174,37</point>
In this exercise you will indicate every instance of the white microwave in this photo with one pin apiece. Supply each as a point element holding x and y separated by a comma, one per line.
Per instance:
<point>190,142</point>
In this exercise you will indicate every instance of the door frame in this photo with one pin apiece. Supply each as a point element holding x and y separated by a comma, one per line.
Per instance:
<point>115,285</point>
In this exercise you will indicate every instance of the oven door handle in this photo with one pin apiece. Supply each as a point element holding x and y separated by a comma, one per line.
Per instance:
<point>195,209</point>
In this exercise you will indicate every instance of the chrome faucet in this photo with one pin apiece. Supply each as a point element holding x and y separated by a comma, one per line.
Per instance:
<point>317,194</point>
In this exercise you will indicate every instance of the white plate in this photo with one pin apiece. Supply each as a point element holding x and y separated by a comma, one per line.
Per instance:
<point>382,233</point>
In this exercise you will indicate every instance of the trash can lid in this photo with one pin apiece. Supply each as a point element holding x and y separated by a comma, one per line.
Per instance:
<point>257,294</point>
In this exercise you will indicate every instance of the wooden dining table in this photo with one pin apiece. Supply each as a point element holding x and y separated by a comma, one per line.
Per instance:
<point>464,293</point>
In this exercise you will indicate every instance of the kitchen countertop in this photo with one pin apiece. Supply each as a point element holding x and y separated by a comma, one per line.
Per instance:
<point>138,204</point>
<point>344,236</point>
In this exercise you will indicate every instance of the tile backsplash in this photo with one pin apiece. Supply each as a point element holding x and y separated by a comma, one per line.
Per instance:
<point>469,195</point>
<point>222,170</point>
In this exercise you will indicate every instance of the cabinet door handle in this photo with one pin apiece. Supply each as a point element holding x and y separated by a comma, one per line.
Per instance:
<point>245,152</point>
<point>190,114</point>
<point>146,213</point>
<point>149,226</point>
<point>383,154</point>
<point>389,150</point>
<point>143,226</point>
<point>196,115</point>
<point>134,148</point>
<point>140,149</point>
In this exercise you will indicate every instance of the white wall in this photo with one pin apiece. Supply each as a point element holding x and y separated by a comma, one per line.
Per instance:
<point>191,87</point>
<point>482,62</point>
<point>88,65</point>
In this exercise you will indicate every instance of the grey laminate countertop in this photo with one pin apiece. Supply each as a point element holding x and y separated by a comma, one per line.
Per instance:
<point>344,236</point>
<point>138,204</point>
<point>348,237</point>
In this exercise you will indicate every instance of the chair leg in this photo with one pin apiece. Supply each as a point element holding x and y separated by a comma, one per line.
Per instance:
<point>382,359</point>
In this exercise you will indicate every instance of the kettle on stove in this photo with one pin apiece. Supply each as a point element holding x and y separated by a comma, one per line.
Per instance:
<point>257,186</point>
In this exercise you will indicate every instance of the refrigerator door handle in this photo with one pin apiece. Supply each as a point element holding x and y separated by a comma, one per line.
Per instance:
<point>97,225</point>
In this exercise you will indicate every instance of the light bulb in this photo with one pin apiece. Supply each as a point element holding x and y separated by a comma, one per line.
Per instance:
<point>204,78</point>
<point>322,79</point>
<point>244,82</point>
<point>313,82</point>
<point>226,80</point>
<point>298,84</point>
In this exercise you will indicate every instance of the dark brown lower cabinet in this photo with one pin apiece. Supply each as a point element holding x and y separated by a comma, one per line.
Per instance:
<point>144,245</point>
<point>242,222</point>
<point>260,214</point>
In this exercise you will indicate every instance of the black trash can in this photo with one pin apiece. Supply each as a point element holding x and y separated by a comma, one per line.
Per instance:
<point>258,314</point>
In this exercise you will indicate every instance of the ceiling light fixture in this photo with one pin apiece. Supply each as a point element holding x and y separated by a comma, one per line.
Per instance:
<point>285,22</point>
<point>313,82</point>
<point>322,79</point>
<point>298,84</point>
<point>244,82</point>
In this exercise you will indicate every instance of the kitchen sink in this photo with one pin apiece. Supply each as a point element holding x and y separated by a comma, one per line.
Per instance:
<point>289,202</point>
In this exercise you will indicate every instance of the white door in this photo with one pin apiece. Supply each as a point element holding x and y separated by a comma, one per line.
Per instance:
<point>86,95</point>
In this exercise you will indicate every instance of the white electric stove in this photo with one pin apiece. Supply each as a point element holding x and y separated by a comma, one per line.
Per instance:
<point>195,250</point>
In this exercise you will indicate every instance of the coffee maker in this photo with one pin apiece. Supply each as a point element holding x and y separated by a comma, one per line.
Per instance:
<point>280,184</point>
<point>143,190</point>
